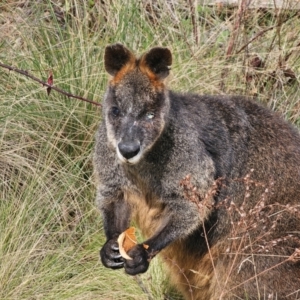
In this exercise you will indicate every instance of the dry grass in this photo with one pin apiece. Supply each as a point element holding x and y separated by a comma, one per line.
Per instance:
<point>254,234</point>
<point>50,229</point>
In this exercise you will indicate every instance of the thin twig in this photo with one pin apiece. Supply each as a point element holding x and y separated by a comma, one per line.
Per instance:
<point>254,38</point>
<point>233,39</point>
<point>181,271</point>
<point>296,48</point>
<point>264,31</point>
<point>194,21</point>
<point>70,95</point>
<point>236,28</point>
<point>259,274</point>
<point>142,286</point>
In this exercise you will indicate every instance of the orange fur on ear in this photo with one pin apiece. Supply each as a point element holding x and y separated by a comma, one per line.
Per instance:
<point>156,82</point>
<point>118,61</point>
<point>129,66</point>
<point>156,65</point>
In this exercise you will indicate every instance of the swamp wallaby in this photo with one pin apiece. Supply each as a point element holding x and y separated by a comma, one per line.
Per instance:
<point>213,183</point>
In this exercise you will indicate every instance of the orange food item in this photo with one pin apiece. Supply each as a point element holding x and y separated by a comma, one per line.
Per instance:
<point>126,241</point>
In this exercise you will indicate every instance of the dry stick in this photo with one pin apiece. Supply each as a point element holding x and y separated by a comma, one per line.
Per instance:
<point>259,274</point>
<point>232,266</point>
<point>278,33</point>
<point>181,271</point>
<point>254,38</point>
<point>210,254</point>
<point>287,56</point>
<point>142,286</point>
<point>25,73</point>
<point>194,21</point>
<point>278,26</point>
<point>264,31</point>
<point>236,28</point>
<point>233,37</point>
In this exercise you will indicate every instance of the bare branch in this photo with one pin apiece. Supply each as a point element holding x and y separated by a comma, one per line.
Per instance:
<point>254,38</point>
<point>194,21</point>
<point>236,27</point>
<point>70,95</point>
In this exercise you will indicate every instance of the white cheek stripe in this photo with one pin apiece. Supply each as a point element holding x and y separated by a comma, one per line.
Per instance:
<point>120,156</point>
<point>110,133</point>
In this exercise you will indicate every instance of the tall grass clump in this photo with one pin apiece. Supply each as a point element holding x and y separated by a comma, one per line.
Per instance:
<point>50,230</point>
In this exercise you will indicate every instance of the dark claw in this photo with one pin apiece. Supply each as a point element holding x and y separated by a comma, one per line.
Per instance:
<point>115,255</point>
<point>115,247</point>
<point>110,256</point>
<point>114,264</point>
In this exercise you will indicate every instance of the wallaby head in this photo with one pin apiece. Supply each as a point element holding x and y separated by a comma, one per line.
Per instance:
<point>136,104</point>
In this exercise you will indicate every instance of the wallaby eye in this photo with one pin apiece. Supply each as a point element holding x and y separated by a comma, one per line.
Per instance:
<point>150,115</point>
<point>115,111</point>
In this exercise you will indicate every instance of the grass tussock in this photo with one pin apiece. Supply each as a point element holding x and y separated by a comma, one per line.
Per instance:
<point>50,229</point>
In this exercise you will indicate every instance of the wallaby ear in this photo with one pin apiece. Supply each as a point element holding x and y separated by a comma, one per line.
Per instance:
<point>159,61</point>
<point>116,56</point>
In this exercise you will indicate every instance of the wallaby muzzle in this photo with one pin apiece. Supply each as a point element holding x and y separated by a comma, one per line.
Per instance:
<point>129,149</point>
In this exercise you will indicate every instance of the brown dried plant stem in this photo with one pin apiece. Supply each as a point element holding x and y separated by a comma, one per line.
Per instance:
<point>254,38</point>
<point>233,37</point>
<point>236,28</point>
<point>194,20</point>
<point>181,271</point>
<point>259,274</point>
<point>70,95</point>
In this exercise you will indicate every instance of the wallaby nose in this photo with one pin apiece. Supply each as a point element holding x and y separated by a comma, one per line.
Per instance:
<point>129,149</point>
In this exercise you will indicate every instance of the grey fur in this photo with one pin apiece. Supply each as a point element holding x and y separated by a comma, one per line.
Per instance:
<point>206,137</point>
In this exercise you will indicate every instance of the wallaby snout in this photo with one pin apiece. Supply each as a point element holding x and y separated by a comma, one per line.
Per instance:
<point>129,149</point>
